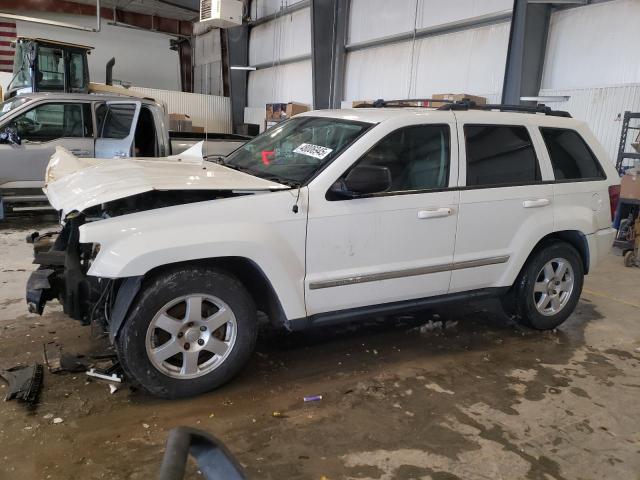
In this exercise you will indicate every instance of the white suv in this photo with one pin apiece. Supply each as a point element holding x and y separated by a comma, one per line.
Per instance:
<point>327,217</point>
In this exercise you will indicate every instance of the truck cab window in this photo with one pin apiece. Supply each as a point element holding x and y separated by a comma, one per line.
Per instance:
<point>50,121</point>
<point>51,64</point>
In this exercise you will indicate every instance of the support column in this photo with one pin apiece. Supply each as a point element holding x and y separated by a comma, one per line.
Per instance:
<point>237,43</point>
<point>527,48</point>
<point>329,19</point>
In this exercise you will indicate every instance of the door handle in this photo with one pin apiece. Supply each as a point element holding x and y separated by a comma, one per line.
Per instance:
<point>435,213</point>
<point>77,151</point>
<point>540,202</point>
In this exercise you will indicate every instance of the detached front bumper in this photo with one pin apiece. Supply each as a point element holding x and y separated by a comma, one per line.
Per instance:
<point>39,290</point>
<point>62,273</point>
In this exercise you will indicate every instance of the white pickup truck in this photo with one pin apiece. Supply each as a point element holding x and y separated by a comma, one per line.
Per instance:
<point>89,125</point>
<point>333,215</point>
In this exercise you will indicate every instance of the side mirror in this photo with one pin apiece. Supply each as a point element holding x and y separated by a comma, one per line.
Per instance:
<point>10,135</point>
<point>362,180</point>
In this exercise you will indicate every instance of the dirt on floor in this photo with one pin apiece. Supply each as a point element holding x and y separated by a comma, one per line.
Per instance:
<point>460,392</point>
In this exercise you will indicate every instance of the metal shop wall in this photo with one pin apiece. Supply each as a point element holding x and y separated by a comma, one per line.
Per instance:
<point>592,57</point>
<point>211,112</point>
<point>207,62</point>
<point>281,51</point>
<point>464,49</point>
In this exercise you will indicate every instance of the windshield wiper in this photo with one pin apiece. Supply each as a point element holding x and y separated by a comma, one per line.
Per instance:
<point>282,180</point>
<point>267,176</point>
<point>220,161</point>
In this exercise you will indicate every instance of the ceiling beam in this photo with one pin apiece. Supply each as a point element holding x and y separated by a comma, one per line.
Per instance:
<point>139,20</point>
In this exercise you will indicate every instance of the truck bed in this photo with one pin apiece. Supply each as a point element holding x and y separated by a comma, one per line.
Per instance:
<point>221,144</point>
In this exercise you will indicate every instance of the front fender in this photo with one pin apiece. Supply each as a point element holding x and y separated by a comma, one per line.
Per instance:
<point>261,228</point>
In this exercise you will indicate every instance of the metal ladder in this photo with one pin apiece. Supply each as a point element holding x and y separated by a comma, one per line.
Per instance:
<point>622,154</point>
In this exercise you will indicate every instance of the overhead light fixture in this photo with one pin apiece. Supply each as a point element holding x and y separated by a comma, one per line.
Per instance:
<point>546,98</point>
<point>246,69</point>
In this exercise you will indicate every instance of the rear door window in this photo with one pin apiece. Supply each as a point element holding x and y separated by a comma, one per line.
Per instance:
<point>571,158</point>
<point>500,155</point>
<point>115,120</point>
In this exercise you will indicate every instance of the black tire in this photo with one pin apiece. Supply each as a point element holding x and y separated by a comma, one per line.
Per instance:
<point>162,289</point>
<point>520,302</point>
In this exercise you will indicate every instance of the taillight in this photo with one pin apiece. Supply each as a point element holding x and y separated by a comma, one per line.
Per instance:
<point>614,196</point>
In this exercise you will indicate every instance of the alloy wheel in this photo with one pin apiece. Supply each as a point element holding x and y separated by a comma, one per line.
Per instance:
<point>191,336</point>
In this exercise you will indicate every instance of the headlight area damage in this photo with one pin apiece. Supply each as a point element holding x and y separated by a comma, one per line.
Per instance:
<point>64,261</point>
<point>92,190</point>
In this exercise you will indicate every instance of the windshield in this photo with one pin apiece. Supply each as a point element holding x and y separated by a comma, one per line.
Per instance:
<point>12,104</point>
<point>293,151</point>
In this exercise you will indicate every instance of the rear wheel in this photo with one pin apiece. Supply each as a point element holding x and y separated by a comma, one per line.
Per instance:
<point>548,288</point>
<point>189,332</point>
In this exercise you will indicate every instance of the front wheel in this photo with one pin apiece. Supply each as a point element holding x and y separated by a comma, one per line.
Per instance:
<point>549,287</point>
<point>189,332</point>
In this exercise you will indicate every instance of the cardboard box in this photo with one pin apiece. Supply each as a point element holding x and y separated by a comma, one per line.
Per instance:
<point>276,112</point>
<point>179,122</point>
<point>630,186</point>
<point>294,108</point>
<point>456,97</point>
<point>196,129</point>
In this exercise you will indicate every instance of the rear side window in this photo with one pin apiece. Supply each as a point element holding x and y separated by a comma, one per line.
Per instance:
<point>500,155</point>
<point>417,157</point>
<point>114,121</point>
<point>571,158</point>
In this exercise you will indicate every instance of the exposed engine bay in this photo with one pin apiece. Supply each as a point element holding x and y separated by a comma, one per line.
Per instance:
<point>153,200</point>
<point>64,261</point>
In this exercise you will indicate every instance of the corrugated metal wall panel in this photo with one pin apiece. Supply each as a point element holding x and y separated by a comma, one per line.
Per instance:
<point>208,79</point>
<point>378,18</point>
<point>470,61</point>
<point>285,83</point>
<point>593,46</point>
<point>207,64</point>
<point>602,109</point>
<point>209,111</point>
<point>287,37</point>
<point>262,8</point>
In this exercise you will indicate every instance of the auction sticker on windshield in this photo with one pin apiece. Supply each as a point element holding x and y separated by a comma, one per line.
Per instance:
<point>312,150</point>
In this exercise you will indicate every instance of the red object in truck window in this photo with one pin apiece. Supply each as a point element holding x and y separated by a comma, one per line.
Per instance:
<point>265,156</point>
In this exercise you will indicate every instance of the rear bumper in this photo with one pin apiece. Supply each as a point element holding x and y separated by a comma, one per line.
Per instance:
<point>600,244</point>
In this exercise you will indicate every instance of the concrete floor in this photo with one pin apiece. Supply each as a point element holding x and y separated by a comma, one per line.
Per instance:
<point>481,399</point>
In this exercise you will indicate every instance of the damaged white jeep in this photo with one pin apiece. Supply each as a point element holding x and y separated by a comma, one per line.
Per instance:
<point>329,216</point>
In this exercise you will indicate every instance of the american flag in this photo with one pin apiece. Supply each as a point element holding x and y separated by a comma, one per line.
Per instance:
<point>7,35</point>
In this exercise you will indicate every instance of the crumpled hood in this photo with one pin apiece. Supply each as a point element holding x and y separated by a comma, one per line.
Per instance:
<point>74,183</point>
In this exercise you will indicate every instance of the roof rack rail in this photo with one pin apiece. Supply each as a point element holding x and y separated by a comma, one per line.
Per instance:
<point>406,102</point>
<point>464,104</point>
<point>469,105</point>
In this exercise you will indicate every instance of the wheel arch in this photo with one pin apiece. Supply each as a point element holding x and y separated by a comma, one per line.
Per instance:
<point>244,269</point>
<point>575,238</point>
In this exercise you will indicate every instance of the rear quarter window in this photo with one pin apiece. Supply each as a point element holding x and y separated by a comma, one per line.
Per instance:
<point>571,157</point>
